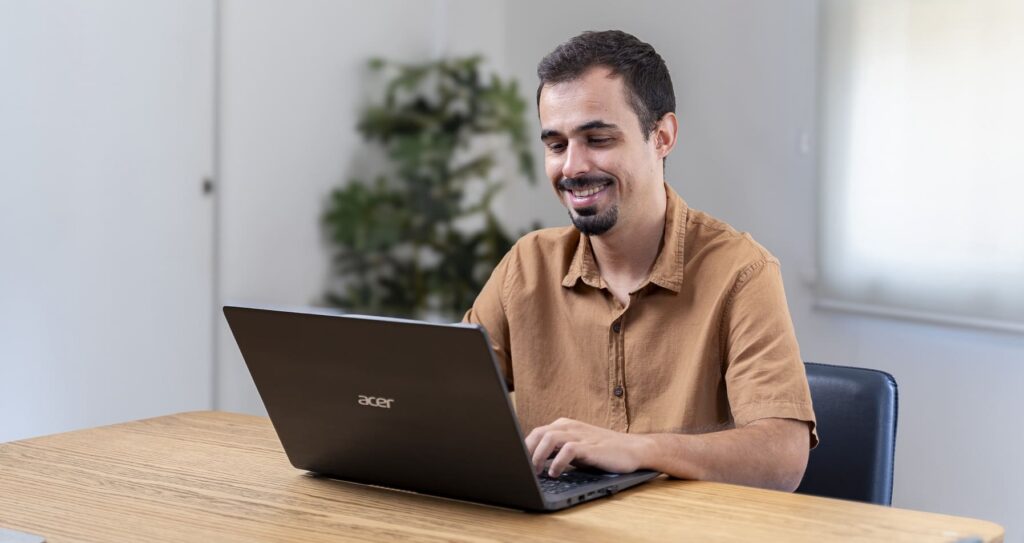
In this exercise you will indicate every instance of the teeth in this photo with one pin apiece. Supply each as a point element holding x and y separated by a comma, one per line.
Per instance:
<point>588,192</point>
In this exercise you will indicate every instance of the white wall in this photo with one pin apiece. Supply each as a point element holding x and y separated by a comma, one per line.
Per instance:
<point>105,234</point>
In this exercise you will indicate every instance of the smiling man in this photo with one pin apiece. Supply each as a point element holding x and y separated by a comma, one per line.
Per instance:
<point>648,334</point>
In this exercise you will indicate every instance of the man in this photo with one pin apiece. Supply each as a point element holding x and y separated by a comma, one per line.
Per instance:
<point>648,335</point>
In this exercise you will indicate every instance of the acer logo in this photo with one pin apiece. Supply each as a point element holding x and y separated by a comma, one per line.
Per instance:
<point>373,401</point>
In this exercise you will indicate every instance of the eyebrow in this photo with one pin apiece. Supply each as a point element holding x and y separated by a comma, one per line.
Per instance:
<point>591,125</point>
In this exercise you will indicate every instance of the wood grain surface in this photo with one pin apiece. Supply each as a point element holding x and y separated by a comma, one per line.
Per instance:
<point>210,476</point>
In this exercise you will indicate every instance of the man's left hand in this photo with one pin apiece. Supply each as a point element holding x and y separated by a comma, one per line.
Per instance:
<point>581,443</point>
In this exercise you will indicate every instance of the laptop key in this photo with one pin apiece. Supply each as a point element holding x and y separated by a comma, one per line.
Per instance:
<point>566,482</point>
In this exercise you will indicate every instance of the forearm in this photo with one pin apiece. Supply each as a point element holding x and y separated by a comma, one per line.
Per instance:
<point>770,454</point>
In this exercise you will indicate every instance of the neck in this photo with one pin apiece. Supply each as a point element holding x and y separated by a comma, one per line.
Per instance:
<point>626,253</point>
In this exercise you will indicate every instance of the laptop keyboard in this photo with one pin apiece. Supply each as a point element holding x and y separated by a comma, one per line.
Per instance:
<point>569,480</point>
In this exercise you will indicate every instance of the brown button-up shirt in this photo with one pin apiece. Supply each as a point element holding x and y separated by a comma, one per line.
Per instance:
<point>705,344</point>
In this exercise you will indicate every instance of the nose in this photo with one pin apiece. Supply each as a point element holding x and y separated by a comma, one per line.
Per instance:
<point>577,160</point>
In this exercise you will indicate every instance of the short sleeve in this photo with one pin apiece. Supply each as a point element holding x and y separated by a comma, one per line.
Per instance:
<point>764,373</point>
<point>489,312</point>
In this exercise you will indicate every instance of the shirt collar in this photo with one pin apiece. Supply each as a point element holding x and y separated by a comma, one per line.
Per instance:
<point>667,271</point>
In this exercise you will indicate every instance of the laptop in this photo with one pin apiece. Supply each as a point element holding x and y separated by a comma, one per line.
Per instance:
<point>403,404</point>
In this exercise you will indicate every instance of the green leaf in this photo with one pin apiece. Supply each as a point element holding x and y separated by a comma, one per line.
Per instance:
<point>394,242</point>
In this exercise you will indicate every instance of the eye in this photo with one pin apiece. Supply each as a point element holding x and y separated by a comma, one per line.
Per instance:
<point>599,141</point>
<point>556,147</point>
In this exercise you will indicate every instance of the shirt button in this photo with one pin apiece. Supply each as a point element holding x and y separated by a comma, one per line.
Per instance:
<point>618,392</point>
<point>617,327</point>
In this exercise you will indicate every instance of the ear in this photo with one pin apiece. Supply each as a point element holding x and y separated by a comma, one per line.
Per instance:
<point>665,133</point>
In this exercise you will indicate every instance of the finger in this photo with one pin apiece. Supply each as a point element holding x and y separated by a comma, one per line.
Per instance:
<point>565,456</point>
<point>531,440</point>
<point>534,437</point>
<point>551,441</point>
<point>545,446</point>
<point>562,422</point>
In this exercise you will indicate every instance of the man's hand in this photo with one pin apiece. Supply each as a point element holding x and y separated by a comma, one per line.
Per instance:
<point>768,453</point>
<point>578,442</point>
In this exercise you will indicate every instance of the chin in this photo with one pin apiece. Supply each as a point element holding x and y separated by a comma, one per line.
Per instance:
<point>597,222</point>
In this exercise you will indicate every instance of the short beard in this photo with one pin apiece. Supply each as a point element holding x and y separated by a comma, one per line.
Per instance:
<point>587,220</point>
<point>591,223</point>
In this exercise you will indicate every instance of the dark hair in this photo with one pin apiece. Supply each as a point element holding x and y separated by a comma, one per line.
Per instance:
<point>648,85</point>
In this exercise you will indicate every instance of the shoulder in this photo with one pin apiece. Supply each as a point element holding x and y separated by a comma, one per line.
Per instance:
<point>543,255</point>
<point>548,239</point>
<point>548,245</point>
<point>713,243</point>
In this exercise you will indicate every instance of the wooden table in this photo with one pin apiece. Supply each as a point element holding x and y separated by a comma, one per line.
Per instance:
<point>210,476</point>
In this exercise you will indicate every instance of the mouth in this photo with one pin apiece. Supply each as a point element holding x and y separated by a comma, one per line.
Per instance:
<point>587,196</point>
<point>587,192</point>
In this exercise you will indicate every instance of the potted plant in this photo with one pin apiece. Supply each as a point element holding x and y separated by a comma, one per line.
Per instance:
<point>420,239</point>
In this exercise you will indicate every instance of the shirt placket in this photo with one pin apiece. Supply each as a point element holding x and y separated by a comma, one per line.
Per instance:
<point>618,414</point>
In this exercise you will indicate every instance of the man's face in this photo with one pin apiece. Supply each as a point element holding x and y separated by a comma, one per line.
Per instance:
<point>602,169</point>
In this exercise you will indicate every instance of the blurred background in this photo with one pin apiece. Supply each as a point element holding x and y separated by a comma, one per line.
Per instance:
<point>160,158</point>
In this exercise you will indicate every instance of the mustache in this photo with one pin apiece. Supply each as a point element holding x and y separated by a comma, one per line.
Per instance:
<point>584,181</point>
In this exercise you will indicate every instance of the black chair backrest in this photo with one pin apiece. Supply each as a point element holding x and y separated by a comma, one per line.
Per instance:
<point>856,410</point>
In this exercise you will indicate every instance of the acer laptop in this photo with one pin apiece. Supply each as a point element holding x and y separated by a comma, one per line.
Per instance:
<point>402,404</point>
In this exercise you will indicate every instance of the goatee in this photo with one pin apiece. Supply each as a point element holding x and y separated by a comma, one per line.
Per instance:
<point>589,220</point>
<point>592,223</point>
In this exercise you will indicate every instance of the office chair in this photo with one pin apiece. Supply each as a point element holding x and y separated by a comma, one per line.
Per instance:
<point>856,411</point>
